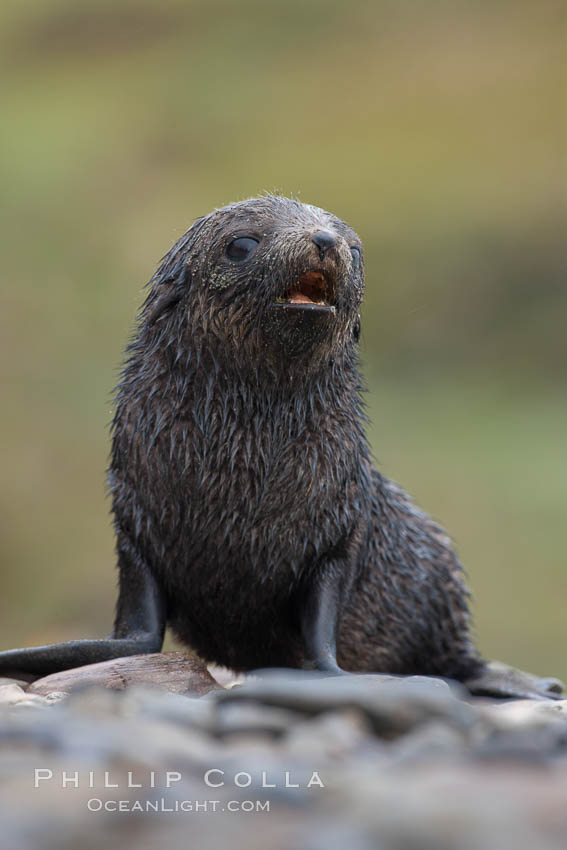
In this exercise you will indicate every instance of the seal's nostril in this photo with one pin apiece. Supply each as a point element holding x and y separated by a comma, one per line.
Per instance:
<point>324,240</point>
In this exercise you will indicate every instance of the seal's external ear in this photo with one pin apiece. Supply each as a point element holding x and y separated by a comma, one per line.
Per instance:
<point>356,329</point>
<point>169,292</point>
<point>167,299</point>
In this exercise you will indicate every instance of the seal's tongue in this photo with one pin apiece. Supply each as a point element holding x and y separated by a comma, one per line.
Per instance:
<point>300,298</point>
<point>311,288</point>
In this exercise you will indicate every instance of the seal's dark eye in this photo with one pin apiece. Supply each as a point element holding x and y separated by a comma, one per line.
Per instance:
<point>242,248</point>
<point>355,258</point>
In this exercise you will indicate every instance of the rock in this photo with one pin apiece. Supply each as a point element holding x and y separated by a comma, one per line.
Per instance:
<point>460,805</point>
<point>333,734</point>
<point>15,695</point>
<point>358,761</point>
<point>392,704</point>
<point>11,694</point>
<point>523,730</point>
<point>23,683</point>
<point>528,712</point>
<point>177,672</point>
<point>244,718</point>
<point>432,741</point>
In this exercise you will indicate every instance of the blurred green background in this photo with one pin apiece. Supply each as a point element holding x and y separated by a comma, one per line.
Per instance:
<point>437,129</point>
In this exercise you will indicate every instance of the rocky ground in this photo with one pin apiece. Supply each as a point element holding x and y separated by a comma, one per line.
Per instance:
<point>285,760</point>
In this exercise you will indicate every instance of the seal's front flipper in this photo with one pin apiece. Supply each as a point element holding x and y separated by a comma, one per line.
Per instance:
<point>500,680</point>
<point>43,660</point>
<point>321,605</point>
<point>138,630</point>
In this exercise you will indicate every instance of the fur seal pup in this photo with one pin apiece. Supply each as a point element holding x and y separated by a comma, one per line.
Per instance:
<point>249,516</point>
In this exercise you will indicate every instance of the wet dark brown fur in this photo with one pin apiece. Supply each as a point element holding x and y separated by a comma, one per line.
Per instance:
<point>240,466</point>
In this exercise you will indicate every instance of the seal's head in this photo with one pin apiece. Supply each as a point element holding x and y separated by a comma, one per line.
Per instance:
<point>267,277</point>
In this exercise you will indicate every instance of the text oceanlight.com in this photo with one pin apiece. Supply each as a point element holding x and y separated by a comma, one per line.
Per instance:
<point>168,780</point>
<point>162,805</point>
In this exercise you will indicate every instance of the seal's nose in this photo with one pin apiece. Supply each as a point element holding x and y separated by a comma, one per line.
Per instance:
<point>324,240</point>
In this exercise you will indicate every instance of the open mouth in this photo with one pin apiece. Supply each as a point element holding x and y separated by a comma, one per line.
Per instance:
<point>310,290</point>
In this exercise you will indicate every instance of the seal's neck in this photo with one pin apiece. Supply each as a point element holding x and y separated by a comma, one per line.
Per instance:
<point>216,396</point>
